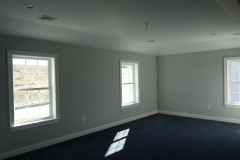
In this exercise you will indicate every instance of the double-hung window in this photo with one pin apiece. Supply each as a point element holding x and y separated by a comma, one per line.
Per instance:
<point>129,78</point>
<point>232,81</point>
<point>33,89</point>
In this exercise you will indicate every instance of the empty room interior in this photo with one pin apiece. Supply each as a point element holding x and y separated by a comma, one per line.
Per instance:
<point>119,79</point>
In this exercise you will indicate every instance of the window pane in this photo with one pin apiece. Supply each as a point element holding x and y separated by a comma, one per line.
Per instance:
<point>127,93</point>
<point>20,114</point>
<point>130,77</point>
<point>127,73</point>
<point>31,66</point>
<point>20,99</point>
<point>33,112</point>
<point>44,103</point>
<point>235,66</point>
<point>235,76</point>
<point>124,78</point>
<point>44,110</point>
<point>18,65</point>
<point>42,80</point>
<point>33,98</point>
<point>130,68</point>
<point>44,97</point>
<point>235,70</point>
<point>31,80</point>
<point>18,81</point>
<point>20,105</point>
<point>42,66</point>
<point>235,92</point>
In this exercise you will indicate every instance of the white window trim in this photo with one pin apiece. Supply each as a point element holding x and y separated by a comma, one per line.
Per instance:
<point>55,102</point>
<point>227,102</point>
<point>137,89</point>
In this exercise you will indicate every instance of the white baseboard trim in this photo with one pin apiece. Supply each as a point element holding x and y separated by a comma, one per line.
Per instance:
<point>200,116</point>
<point>71,136</point>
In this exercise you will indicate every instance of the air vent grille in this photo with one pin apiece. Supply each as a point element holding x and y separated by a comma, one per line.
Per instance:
<point>47,18</point>
<point>150,41</point>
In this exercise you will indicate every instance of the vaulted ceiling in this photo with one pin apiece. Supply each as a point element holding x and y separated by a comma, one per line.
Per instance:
<point>176,26</point>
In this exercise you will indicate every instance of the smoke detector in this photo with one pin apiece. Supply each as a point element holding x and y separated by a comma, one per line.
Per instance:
<point>47,18</point>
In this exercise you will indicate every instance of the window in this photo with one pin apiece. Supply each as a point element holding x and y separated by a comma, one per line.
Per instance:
<point>33,89</point>
<point>129,83</point>
<point>232,81</point>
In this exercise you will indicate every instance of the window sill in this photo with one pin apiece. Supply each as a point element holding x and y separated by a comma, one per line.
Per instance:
<point>130,105</point>
<point>33,124</point>
<point>232,105</point>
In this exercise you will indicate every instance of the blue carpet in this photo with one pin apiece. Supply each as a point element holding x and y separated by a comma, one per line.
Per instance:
<point>155,137</point>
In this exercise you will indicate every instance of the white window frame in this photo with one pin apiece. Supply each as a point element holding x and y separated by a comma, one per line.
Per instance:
<point>227,82</point>
<point>136,82</point>
<point>53,90</point>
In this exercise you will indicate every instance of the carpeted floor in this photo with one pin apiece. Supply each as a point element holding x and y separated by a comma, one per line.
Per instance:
<point>155,137</point>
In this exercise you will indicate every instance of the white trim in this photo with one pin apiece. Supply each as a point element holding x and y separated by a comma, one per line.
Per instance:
<point>232,105</point>
<point>53,88</point>
<point>130,105</point>
<point>136,87</point>
<point>200,116</point>
<point>34,124</point>
<point>71,136</point>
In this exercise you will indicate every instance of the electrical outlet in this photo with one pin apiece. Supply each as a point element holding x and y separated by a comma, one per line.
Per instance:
<point>208,107</point>
<point>143,105</point>
<point>84,119</point>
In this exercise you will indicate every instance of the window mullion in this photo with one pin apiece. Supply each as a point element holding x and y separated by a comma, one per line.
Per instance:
<point>30,89</point>
<point>234,81</point>
<point>129,83</point>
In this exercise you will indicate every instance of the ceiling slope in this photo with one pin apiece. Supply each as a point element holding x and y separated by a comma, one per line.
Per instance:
<point>175,26</point>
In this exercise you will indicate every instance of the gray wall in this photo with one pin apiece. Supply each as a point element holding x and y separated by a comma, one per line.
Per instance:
<point>89,86</point>
<point>189,82</point>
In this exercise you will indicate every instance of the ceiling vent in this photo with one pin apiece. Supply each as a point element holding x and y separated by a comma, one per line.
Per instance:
<point>47,18</point>
<point>150,41</point>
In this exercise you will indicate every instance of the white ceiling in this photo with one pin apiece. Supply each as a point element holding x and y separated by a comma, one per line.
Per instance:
<point>114,24</point>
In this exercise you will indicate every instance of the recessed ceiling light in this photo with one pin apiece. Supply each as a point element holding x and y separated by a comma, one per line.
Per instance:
<point>212,34</point>
<point>30,6</point>
<point>150,41</point>
<point>236,34</point>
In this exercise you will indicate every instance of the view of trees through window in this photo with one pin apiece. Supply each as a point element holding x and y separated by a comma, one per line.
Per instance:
<point>31,89</point>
